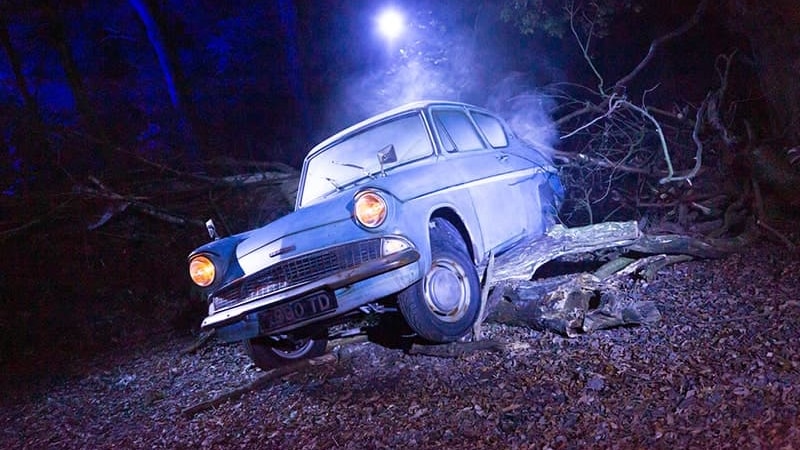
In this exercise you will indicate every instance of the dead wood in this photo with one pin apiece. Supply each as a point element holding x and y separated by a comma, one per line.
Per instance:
<point>781,237</point>
<point>612,267</point>
<point>582,158</point>
<point>522,261</point>
<point>456,349</point>
<point>32,223</point>
<point>122,202</point>
<point>661,40</point>
<point>341,352</point>
<point>201,341</point>
<point>613,312</point>
<point>575,304</point>
<point>645,268</point>
<point>259,383</point>
<point>266,172</point>
<point>560,310</point>
<point>688,245</point>
<point>488,275</point>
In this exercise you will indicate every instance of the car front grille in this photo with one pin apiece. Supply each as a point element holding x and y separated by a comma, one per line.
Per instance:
<point>296,271</point>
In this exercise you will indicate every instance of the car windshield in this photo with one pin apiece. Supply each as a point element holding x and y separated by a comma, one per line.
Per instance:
<point>356,156</point>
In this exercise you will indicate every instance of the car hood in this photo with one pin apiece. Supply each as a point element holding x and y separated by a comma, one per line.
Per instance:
<point>334,209</point>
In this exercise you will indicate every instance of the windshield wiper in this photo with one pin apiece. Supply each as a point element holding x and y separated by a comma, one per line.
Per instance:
<point>334,183</point>
<point>355,166</point>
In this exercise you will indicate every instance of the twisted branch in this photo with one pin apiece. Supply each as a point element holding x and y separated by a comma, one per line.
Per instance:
<point>688,25</point>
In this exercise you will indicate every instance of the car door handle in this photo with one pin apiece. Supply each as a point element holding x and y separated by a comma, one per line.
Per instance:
<point>502,158</point>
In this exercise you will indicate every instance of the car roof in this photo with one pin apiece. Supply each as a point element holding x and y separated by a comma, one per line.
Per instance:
<point>413,106</point>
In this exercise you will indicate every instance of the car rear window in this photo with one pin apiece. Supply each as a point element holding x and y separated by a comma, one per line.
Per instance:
<point>456,131</point>
<point>492,129</point>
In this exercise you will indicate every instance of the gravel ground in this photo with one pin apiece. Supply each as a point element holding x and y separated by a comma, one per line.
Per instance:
<point>721,369</point>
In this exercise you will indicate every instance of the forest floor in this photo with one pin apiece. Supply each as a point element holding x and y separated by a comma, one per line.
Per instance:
<point>721,369</point>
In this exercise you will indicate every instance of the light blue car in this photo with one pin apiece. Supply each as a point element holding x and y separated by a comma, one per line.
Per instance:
<point>394,213</point>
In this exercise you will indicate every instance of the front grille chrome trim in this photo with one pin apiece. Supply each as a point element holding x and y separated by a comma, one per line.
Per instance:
<point>296,271</point>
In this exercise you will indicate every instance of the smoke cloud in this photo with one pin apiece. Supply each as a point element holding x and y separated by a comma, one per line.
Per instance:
<point>432,61</point>
<point>453,63</point>
<point>380,90</point>
<point>526,110</point>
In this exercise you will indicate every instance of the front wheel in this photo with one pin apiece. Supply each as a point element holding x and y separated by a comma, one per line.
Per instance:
<point>271,352</point>
<point>444,304</point>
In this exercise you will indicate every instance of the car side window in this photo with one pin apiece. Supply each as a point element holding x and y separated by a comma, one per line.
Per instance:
<point>492,129</point>
<point>456,131</point>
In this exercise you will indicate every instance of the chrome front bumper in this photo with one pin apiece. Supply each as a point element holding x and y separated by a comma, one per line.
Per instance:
<point>349,286</point>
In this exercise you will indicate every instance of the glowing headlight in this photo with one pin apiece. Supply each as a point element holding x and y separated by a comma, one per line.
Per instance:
<point>202,271</point>
<point>370,209</point>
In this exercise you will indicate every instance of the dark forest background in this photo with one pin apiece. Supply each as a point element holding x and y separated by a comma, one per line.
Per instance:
<point>124,125</point>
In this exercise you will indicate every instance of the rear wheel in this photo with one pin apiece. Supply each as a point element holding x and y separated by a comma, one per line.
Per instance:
<point>444,304</point>
<point>269,352</point>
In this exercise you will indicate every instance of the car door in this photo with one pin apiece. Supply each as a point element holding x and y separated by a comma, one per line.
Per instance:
<point>488,174</point>
<point>532,170</point>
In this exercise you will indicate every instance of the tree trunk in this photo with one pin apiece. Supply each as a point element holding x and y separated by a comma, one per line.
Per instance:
<point>102,151</point>
<point>176,83</point>
<point>772,29</point>
<point>288,16</point>
<point>16,66</point>
<point>28,135</point>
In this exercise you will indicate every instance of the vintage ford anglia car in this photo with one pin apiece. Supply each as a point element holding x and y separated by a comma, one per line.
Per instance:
<point>396,212</point>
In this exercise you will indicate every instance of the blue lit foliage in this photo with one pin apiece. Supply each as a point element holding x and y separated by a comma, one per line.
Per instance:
<point>158,78</point>
<point>552,17</point>
<point>197,78</point>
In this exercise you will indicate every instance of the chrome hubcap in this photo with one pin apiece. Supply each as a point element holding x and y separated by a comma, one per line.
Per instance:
<point>291,349</point>
<point>446,290</point>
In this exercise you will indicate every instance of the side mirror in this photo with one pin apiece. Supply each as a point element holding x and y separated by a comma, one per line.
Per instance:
<point>386,155</point>
<point>212,230</point>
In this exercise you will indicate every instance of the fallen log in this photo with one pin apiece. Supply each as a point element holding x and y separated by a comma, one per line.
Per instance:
<point>260,382</point>
<point>201,341</point>
<point>569,305</point>
<point>522,261</point>
<point>574,304</point>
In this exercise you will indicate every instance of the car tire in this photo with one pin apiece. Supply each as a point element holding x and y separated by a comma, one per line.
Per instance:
<point>269,353</point>
<point>444,304</point>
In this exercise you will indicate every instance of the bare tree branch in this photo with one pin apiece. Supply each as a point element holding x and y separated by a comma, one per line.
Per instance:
<point>584,46</point>
<point>135,202</point>
<point>5,234</point>
<point>612,106</point>
<point>689,24</point>
<point>662,140</point>
<point>714,101</point>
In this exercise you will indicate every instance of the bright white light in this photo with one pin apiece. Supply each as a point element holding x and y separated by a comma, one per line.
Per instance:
<point>391,24</point>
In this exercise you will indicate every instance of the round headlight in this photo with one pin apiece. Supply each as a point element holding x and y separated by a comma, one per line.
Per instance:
<point>202,271</point>
<point>370,209</point>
